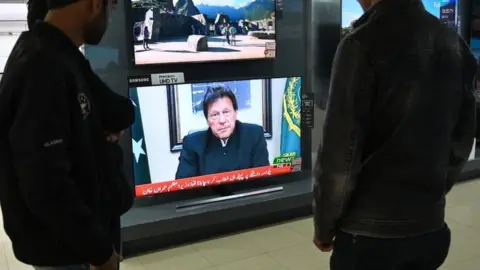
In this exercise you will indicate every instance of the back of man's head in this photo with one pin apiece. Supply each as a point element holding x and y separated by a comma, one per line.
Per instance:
<point>85,21</point>
<point>37,10</point>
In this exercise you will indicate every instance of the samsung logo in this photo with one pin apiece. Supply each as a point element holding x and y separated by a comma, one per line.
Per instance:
<point>140,80</point>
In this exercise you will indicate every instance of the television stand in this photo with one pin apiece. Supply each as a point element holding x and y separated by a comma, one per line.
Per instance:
<point>222,191</point>
<point>229,196</point>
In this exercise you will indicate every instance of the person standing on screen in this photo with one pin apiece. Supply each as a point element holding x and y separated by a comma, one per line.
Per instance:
<point>226,29</point>
<point>146,37</point>
<point>399,127</point>
<point>59,162</point>
<point>233,32</point>
<point>227,145</point>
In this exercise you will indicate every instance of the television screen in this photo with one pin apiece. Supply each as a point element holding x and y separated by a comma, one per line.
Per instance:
<point>205,134</point>
<point>445,10</point>
<point>475,28</point>
<point>475,34</point>
<point>184,31</point>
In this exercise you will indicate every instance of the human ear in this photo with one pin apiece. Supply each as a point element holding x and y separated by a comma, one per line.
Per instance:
<point>96,7</point>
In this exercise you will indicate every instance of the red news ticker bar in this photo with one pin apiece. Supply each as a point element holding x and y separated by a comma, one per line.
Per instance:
<point>210,180</point>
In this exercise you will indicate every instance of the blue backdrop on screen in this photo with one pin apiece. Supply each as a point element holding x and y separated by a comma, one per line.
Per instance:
<point>241,89</point>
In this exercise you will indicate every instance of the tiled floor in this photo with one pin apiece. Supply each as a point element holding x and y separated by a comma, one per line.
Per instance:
<point>288,246</point>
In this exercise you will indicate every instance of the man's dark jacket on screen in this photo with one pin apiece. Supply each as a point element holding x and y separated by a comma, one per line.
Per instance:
<point>55,179</point>
<point>203,153</point>
<point>399,126</point>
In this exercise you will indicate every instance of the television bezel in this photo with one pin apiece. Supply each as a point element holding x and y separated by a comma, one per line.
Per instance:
<point>175,65</point>
<point>305,144</point>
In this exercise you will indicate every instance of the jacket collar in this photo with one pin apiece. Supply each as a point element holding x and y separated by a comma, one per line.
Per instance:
<point>385,6</point>
<point>56,38</point>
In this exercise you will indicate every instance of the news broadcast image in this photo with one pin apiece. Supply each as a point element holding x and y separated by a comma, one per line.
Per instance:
<point>177,145</point>
<point>181,31</point>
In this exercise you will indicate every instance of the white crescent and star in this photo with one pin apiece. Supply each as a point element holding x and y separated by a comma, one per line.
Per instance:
<point>137,149</point>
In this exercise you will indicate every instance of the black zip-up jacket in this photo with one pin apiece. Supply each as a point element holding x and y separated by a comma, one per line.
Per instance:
<point>54,186</point>
<point>399,126</point>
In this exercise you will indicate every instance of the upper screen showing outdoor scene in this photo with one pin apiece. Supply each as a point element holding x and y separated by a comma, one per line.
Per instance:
<point>184,31</point>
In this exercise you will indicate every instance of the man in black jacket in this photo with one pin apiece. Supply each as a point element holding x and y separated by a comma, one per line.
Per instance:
<point>399,127</point>
<point>56,179</point>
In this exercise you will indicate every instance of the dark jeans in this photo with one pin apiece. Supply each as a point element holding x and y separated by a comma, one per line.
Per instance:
<point>117,237</point>
<point>423,252</point>
<point>72,267</point>
<point>117,243</point>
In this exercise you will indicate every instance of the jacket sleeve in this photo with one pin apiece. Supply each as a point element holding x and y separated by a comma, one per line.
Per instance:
<point>39,138</point>
<point>260,150</point>
<point>188,160</point>
<point>463,134</point>
<point>117,111</point>
<point>339,156</point>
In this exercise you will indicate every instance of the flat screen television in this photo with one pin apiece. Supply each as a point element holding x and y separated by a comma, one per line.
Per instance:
<point>475,28</point>
<point>475,34</point>
<point>186,31</point>
<point>196,135</point>
<point>445,10</point>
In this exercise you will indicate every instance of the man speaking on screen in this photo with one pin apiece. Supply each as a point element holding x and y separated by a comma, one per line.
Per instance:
<point>227,145</point>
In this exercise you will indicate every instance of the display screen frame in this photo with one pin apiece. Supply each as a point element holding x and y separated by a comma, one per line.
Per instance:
<point>474,39</point>
<point>475,18</point>
<point>130,43</point>
<point>305,148</point>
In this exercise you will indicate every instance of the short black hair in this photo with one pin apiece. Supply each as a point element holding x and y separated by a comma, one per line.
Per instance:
<point>214,93</point>
<point>38,9</point>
